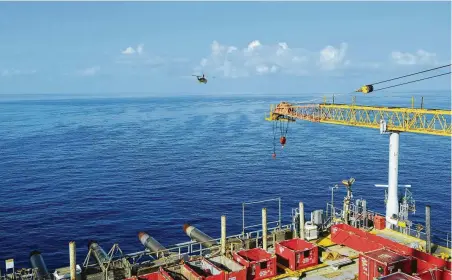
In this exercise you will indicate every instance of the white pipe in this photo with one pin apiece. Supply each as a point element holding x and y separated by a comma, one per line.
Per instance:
<point>72,259</point>
<point>264,228</point>
<point>428,245</point>
<point>392,205</point>
<point>223,235</point>
<point>301,210</point>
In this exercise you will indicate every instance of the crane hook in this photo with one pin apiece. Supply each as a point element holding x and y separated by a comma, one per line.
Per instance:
<point>282,140</point>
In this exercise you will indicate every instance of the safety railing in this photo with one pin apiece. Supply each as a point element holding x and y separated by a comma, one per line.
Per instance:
<point>20,274</point>
<point>196,248</point>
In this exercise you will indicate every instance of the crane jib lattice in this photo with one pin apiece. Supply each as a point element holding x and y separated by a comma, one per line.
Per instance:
<point>414,120</point>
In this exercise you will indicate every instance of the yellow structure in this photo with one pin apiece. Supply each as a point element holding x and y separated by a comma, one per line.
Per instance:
<point>397,119</point>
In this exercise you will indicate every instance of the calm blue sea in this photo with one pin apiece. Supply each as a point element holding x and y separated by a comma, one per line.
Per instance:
<point>107,168</point>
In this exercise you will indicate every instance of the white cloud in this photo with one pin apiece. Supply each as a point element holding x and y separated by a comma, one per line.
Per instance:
<point>91,71</point>
<point>16,72</point>
<point>261,59</point>
<point>421,57</point>
<point>129,50</point>
<point>330,57</point>
<point>137,56</point>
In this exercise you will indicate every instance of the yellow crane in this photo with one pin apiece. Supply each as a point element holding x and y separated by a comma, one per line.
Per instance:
<point>389,120</point>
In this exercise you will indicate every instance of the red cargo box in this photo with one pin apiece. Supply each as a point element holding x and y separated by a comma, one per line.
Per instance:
<point>398,276</point>
<point>422,266</point>
<point>233,270</point>
<point>205,269</point>
<point>347,235</point>
<point>382,262</point>
<point>159,275</point>
<point>182,272</point>
<point>379,222</point>
<point>355,239</point>
<point>432,274</point>
<point>296,253</point>
<point>259,263</point>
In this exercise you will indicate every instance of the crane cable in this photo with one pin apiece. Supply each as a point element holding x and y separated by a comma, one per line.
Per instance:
<point>369,88</point>
<point>412,81</point>
<point>275,125</point>
<point>404,76</point>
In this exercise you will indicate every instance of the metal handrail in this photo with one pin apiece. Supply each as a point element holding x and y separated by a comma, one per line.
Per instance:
<point>192,247</point>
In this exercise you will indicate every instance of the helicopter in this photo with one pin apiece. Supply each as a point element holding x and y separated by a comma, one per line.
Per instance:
<point>202,79</point>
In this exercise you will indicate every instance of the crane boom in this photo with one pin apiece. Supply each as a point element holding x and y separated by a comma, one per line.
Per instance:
<point>400,119</point>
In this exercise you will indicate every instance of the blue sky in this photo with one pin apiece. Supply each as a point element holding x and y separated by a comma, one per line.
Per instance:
<point>250,47</point>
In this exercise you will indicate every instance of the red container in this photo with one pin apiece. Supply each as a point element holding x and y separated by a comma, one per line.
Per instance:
<point>232,270</point>
<point>259,263</point>
<point>183,270</point>
<point>296,253</point>
<point>159,275</point>
<point>382,262</point>
<point>347,235</point>
<point>205,269</point>
<point>379,222</point>
<point>398,276</point>
<point>352,238</point>
<point>151,276</point>
<point>432,274</point>
<point>422,266</point>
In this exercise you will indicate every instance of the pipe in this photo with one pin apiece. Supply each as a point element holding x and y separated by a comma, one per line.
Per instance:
<point>72,260</point>
<point>428,247</point>
<point>99,253</point>
<point>152,244</point>
<point>38,263</point>
<point>301,207</point>
<point>392,205</point>
<point>199,236</point>
<point>223,235</point>
<point>366,223</point>
<point>264,228</point>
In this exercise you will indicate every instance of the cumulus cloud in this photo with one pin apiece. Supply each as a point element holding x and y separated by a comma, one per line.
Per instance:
<point>91,71</point>
<point>261,59</point>
<point>137,56</point>
<point>421,57</point>
<point>16,72</point>
<point>330,57</point>
<point>129,50</point>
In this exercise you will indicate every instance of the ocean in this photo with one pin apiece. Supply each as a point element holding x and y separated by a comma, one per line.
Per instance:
<point>106,168</point>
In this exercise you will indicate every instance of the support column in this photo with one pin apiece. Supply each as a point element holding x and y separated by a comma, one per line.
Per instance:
<point>428,247</point>
<point>72,260</point>
<point>392,205</point>
<point>223,235</point>
<point>264,228</point>
<point>301,210</point>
